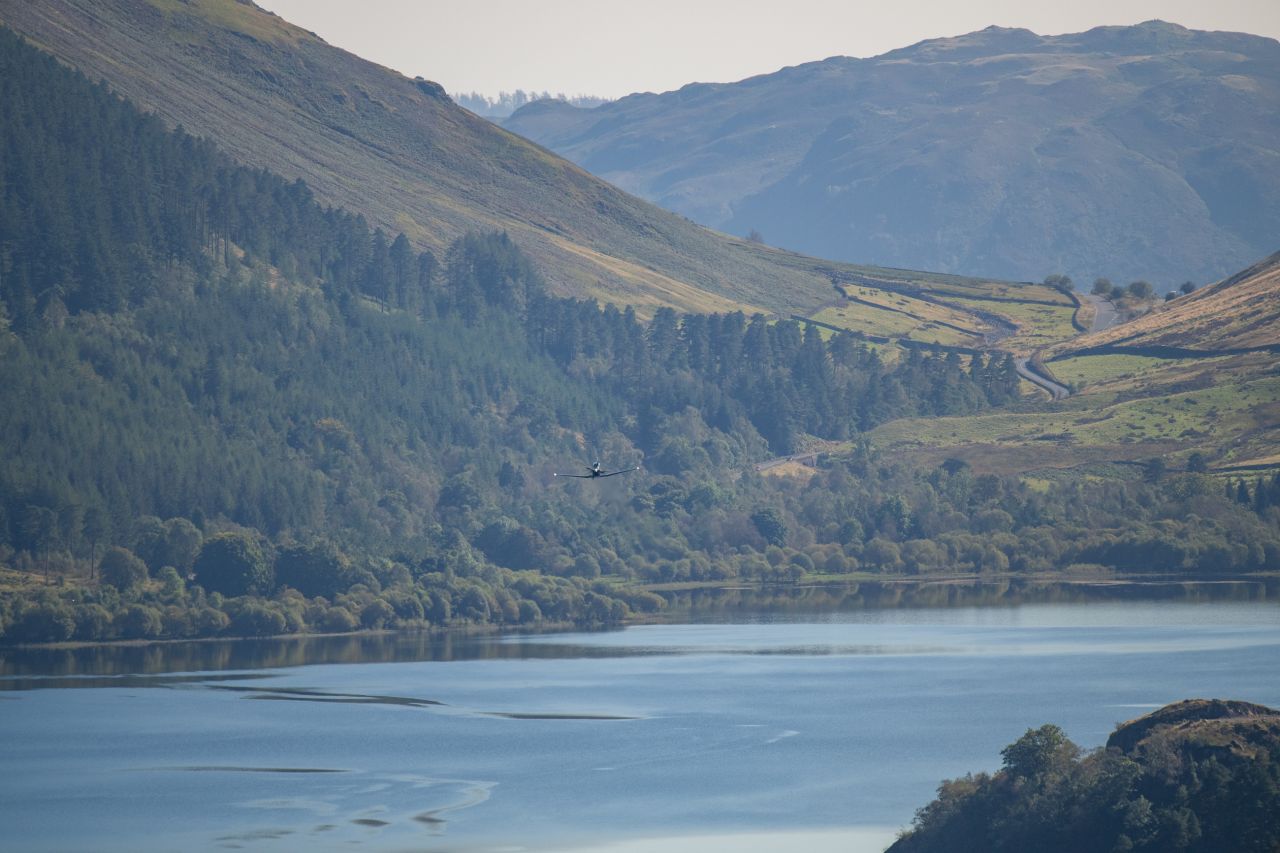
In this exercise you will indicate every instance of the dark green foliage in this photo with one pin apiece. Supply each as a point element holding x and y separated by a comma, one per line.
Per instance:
<point>771,526</point>
<point>338,620</point>
<point>1038,752</point>
<point>233,564</point>
<point>1210,786</point>
<point>253,619</point>
<point>47,621</point>
<point>1140,289</point>
<point>139,622</point>
<point>314,570</point>
<point>182,541</point>
<point>121,569</point>
<point>93,623</point>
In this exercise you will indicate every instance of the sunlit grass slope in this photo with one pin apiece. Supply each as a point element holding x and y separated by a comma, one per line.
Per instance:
<point>1198,374</point>
<point>1241,312</point>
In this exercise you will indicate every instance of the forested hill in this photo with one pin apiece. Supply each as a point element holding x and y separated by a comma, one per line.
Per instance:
<point>401,153</point>
<point>226,408</point>
<point>1139,152</point>
<point>190,339</point>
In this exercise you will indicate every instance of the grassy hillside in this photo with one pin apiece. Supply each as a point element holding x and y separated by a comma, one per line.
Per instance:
<point>1196,375</point>
<point>1127,409</point>
<point>1129,152</point>
<point>400,152</point>
<point>1239,313</point>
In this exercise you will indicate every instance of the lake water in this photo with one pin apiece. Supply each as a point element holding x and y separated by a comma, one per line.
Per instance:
<point>823,728</point>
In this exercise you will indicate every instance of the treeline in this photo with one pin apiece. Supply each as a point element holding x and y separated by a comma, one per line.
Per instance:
<point>1262,496</point>
<point>236,584</point>
<point>783,378</point>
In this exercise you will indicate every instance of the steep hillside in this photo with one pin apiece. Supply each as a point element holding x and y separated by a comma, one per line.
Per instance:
<point>1129,152</point>
<point>400,152</point>
<point>1239,313</point>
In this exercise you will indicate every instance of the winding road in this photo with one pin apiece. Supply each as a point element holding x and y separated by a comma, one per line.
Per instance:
<point>1105,315</point>
<point>1056,391</point>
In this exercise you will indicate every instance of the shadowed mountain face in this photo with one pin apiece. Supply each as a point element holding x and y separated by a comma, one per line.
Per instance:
<point>401,152</point>
<point>1131,152</point>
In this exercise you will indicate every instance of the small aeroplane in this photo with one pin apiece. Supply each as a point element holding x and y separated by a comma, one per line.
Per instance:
<point>596,472</point>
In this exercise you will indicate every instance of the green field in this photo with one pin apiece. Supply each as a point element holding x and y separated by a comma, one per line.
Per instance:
<point>1082,372</point>
<point>890,314</point>
<point>1136,373</point>
<point>1038,325</point>
<point>953,311</point>
<point>888,323</point>
<point>1230,415</point>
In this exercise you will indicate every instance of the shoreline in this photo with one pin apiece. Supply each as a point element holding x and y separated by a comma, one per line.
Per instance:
<point>1115,581</point>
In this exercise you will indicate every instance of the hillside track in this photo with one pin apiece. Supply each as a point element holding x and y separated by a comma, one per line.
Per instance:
<point>1105,315</point>
<point>1027,371</point>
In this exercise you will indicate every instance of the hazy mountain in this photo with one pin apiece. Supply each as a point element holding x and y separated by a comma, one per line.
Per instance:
<point>401,152</point>
<point>1131,152</point>
<point>508,102</point>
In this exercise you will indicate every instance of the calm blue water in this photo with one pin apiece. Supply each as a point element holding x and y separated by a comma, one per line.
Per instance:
<point>838,725</point>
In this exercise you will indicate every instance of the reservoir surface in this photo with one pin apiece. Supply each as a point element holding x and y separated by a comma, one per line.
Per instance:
<point>736,730</point>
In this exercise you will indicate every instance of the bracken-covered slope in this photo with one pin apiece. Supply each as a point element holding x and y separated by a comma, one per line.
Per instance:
<point>399,151</point>
<point>1239,313</point>
<point>1129,152</point>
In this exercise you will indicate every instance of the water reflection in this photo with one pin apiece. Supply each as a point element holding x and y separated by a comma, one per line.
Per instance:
<point>118,665</point>
<point>161,664</point>
<point>732,603</point>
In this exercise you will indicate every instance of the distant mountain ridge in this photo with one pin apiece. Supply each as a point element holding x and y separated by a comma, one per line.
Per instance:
<point>1132,152</point>
<point>508,102</point>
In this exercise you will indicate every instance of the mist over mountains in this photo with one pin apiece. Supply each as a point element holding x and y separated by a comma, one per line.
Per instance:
<point>505,103</point>
<point>1132,152</point>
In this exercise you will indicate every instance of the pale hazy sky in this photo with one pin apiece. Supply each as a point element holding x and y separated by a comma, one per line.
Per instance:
<point>614,48</point>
